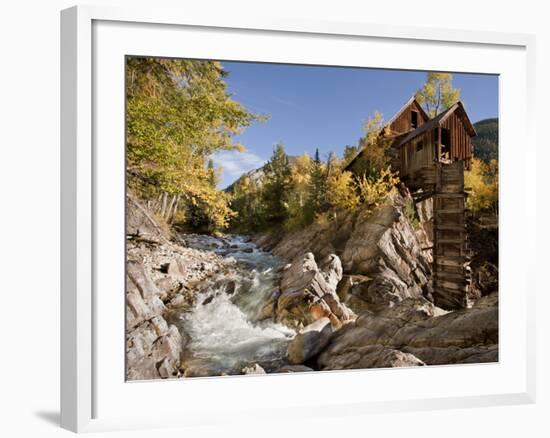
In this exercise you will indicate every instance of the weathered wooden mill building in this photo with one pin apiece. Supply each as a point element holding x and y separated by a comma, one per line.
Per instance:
<point>431,156</point>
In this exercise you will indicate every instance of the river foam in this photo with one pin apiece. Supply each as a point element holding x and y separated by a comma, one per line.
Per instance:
<point>222,324</point>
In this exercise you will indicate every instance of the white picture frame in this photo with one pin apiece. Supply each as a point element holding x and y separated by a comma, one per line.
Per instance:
<point>88,395</point>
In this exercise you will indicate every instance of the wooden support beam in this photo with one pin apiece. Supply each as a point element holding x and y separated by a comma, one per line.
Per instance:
<point>453,195</point>
<point>457,228</point>
<point>451,211</point>
<point>450,240</point>
<point>451,278</point>
<point>438,155</point>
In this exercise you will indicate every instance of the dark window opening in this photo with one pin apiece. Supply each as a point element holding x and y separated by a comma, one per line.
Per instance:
<point>445,144</point>
<point>419,145</point>
<point>414,119</point>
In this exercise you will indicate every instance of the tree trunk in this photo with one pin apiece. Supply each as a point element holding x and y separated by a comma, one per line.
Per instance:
<point>164,204</point>
<point>168,212</point>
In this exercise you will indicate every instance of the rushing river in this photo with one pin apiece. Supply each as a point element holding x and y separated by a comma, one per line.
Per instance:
<point>224,325</point>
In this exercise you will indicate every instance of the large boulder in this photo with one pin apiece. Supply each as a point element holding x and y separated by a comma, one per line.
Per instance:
<point>331,270</point>
<point>416,327</point>
<point>309,341</point>
<point>374,356</point>
<point>308,293</point>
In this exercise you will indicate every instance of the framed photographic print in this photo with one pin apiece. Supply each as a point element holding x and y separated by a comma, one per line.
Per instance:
<point>249,207</point>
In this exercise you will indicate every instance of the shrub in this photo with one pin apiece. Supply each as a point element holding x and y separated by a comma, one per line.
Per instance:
<point>373,191</point>
<point>410,213</point>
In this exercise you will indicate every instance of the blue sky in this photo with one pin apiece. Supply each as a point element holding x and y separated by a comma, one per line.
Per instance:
<point>313,107</point>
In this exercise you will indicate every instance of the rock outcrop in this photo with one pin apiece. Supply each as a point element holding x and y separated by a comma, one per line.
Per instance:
<point>309,341</point>
<point>374,356</point>
<point>308,292</point>
<point>153,350</point>
<point>385,254</point>
<point>414,332</point>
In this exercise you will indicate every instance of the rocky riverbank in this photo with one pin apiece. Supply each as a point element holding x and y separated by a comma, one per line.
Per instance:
<point>351,293</point>
<point>199,305</point>
<point>160,281</point>
<point>415,333</point>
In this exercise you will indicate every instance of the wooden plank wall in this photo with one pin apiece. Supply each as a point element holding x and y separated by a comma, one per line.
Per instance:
<point>413,161</point>
<point>461,148</point>
<point>461,143</point>
<point>403,122</point>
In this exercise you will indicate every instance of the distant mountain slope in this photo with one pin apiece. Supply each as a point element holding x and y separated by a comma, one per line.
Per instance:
<point>255,175</point>
<point>486,141</point>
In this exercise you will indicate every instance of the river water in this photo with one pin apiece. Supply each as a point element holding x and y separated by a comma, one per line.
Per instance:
<point>224,327</point>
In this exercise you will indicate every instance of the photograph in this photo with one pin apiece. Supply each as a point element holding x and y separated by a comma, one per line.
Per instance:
<point>292,218</point>
<point>275,219</point>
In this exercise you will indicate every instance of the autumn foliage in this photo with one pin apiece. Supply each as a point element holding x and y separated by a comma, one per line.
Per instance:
<point>482,183</point>
<point>178,114</point>
<point>298,193</point>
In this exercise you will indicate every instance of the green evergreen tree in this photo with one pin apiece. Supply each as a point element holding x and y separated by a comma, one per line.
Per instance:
<point>277,186</point>
<point>247,201</point>
<point>212,177</point>
<point>317,202</point>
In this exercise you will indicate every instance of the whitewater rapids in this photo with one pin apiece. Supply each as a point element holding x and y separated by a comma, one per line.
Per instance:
<point>225,332</point>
